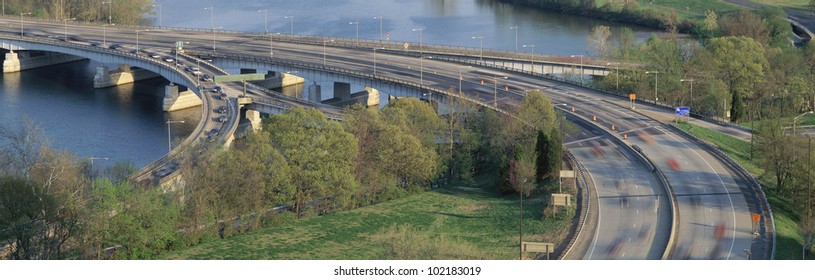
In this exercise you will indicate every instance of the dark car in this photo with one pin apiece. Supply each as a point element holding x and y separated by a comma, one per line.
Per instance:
<point>213,131</point>
<point>223,96</point>
<point>223,118</point>
<point>96,44</point>
<point>114,46</point>
<point>220,110</point>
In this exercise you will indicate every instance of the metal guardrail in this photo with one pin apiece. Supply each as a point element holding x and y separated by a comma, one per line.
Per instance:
<point>585,199</point>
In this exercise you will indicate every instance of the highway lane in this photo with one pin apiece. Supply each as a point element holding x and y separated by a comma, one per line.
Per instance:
<point>478,84</point>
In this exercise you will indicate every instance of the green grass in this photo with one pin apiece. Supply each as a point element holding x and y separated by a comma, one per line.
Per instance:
<point>467,221</point>
<point>789,240</point>
<point>808,119</point>
<point>686,9</point>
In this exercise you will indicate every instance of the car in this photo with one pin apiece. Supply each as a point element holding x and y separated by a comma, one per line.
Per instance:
<point>213,131</point>
<point>217,89</point>
<point>188,69</point>
<point>220,110</point>
<point>168,59</point>
<point>223,96</point>
<point>206,78</point>
<point>96,44</point>
<point>155,55</point>
<point>114,46</point>
<point>210,139</point>
<point>222,118</point>
<point>134,51</point>
<point>194,69</point>
<point>197,73</point>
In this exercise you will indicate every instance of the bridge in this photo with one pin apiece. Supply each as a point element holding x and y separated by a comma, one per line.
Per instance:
<point>632,191</point>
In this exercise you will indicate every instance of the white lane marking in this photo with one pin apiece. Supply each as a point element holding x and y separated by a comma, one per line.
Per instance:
<point>729,198</point>
<point>599,213</point>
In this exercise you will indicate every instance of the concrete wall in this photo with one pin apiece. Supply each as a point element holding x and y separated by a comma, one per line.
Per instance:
<point>343,96</point>
<point>175,100</point>
<point>124,75</point>
<point>19,61</point>
<point>276,80</point>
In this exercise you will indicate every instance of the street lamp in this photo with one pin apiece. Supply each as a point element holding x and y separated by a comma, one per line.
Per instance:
<point>516,37</point>
<point>169,140</point>
<point>380,28</point>
<point>656,85</point>
<point>137,37</point>
<point>212,26</point>
<point>357,24</point>
<point>65,22</point>
<point>481,49</point>
<point>533,56</point>
<point>691,90</point>
<point>582,73</point>
<point>105,34</point>
<point>375,59</point>
<point>159,13</point>
<point>266,21</point>
<point>325,42</point>
<point>292,23</point>
<point>795,120</point>
<point>617,70</point>
<point>22,32</point>
<point>495,91</point>
<point>421,54</point>
<point>271,40</point>
<point>110,11</point>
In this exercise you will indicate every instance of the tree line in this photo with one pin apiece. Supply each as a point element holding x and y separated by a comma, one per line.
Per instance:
<point>53,206</point>
<point>118,11</point>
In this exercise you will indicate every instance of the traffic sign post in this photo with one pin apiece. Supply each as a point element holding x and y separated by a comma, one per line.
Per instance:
<point>539,247</point>
<point>632,97</point>
<point>683,111</point>
<point>756,218</point>
<point>239,78</point>
<point>387,36</point>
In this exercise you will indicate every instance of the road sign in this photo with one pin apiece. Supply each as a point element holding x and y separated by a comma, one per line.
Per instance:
<point>239,78</point>
<point>683,111</point>
<point>756,217</point>
<point>632,96</point>
<point>388,36</point>
<point>567,174</point>
<point>539,247</point>
<point>561,199</point>
<point>406,46</point>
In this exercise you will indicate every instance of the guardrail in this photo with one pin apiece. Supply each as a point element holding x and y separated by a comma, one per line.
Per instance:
<point>585,202</point>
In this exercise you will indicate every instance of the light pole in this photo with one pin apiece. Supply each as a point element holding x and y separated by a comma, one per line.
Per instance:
<point>292,23</point>
<point>460,79</point>
<point>375,59</point>
<point>617,70</point>
<point>105,34</point>
<point>266,20</point>
<point>22,32</point>
<point>516,37</point>
<point>481,49</point>
<point>159,13</point>
<point>795,120</point>
<point>357,24</point>
<point>137,37</point>
<point>533,56</point>
<point>169,140</point>
<point>495,91</point>
<point>65,22</point>
<point>380,28</point>
<point>271,40</point>
<point>212,24</point>
<point>325,42</point>
<point>691,90</point>
<point>656,85</point>
<point>110,11</point>
<point>582,73</point>
<point>421,54</point>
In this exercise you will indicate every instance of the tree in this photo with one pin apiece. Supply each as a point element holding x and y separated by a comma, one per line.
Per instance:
<point>711,21</point>
<point>777,152</point>
<point>598,40</point>
<point>741,63</point>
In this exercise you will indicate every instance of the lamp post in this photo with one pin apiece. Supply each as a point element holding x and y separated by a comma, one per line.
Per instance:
<point>292,23</point>
<point>22,32</point>
<point>357,24</point>
<point>169,140</point>
<point>460,79</point>
<point>691,90</point>
<point>105,34</point>
<point>110,11</point>
<point>271,40</point>
<point>325,42</point>
<point>516,37</point>
<point>656,85</point>
<point>533,56</point>
<point>65,22</point>
<point>137,37</point>
<point>159,13</point>
<point>481,48</point>
<point>795,120</point>
<point>495,91</point>
<point>421,54</point>
<point>380,28</point>
<point>212,24</point>
<point>582,73</point>
<point>266,20</point>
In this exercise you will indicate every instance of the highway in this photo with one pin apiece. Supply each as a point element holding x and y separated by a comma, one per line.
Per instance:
<point>708,192</point>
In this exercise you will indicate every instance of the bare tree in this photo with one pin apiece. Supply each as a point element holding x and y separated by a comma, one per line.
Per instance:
<point>598,40</point>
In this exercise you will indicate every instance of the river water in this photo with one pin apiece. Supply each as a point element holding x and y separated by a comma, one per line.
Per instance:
<point>126,123</point>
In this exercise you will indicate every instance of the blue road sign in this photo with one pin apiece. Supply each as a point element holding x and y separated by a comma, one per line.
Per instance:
<point>683,111</point>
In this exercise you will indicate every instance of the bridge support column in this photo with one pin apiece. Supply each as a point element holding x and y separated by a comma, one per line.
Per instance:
<point>175,100</point>
<point>124,75</point>
<point>254,119</point>
<point>278,80</point>
<point>12,63</point>
<point>315,93</point>
<point>343,96</point>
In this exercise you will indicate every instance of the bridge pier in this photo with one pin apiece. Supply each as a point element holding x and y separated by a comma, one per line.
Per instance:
<point>124,75</point>
<point>315,93</point>
<point>175,100</point>
<point>275,79</point>
<point>254,119</point>
<point>19,61</point>
<point>343,96</point>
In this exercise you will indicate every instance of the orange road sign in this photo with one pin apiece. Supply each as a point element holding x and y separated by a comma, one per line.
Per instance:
<point>756,217</point>
<point>632,96</point>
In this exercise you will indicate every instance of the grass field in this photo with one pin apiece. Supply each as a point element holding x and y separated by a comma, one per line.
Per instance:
<point>462,221</point>
<point>789,240</point>
<point>695,9</point>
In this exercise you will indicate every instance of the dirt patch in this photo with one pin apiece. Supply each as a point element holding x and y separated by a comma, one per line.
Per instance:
<point>472,207</point>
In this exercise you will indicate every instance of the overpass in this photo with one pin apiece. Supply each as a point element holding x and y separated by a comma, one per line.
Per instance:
<point>721,190</point>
